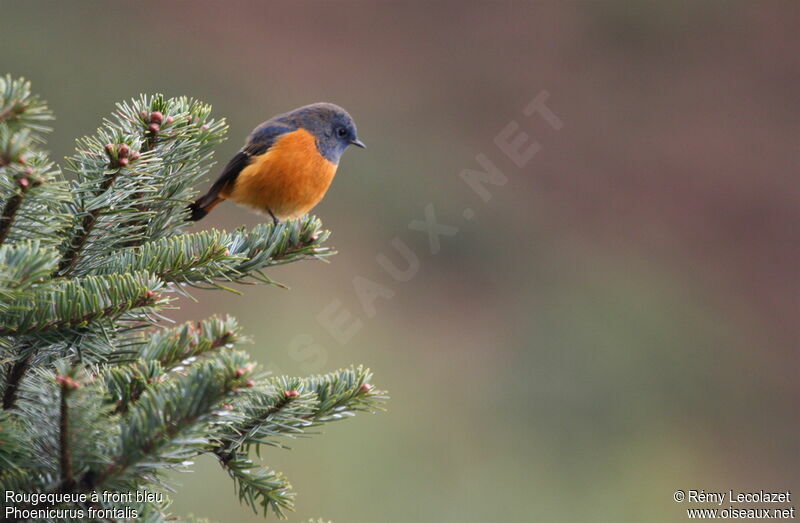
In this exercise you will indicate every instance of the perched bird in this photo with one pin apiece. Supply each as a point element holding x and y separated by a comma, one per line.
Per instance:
<point>287,164</point>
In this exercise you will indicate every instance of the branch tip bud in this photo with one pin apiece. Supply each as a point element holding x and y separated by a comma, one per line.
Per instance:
<point>67,382</point>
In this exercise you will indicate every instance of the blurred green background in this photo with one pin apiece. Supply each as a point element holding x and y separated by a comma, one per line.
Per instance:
<point>619,320</point>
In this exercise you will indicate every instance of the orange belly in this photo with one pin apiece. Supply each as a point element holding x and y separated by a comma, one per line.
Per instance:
<point>288,180</point>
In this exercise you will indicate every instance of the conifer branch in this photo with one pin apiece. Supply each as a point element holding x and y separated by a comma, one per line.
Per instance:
<point>8,113</point>
<point>33,196</point>
<point>210,257</point>
<point>14,202</point>
<point>66,385</point>
<point>18,106</point>
<point>77,303</point>
<point>12,445</point>
<point>97,395</point>
<point>126,384</point>
<point>23,265</point>
<point>190,340</point>
<point>9,212</point>
<point>33,205</point>
<point>164,351</point>
<point>81,235</point>
<point>14,376</point>
<point>276,404</point>
<point>291,406</point>
<point>288,408</point>
<point>260,487</point>
<point>159,417</point>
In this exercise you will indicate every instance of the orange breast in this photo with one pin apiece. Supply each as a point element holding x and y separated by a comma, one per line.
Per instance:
<point>288,180</point>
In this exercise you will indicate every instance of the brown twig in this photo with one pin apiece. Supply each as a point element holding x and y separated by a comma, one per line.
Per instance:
<point>11,110</point>
<point>15,374</point>
<point>66,455</point>
<point>12,206</point>
<point>9,212</point>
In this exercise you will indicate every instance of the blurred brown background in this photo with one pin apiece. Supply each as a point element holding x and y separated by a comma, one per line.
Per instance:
<point>619,320</point>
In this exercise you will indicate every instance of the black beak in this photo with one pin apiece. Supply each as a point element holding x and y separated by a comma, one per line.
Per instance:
<point>359,143</point>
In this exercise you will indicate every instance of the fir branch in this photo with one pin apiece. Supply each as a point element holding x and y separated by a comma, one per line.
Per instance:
<point>268,245</point>
<point>23,170</point>
<point>18,106</point>
<point>290,406</point>
<point>16,455</point>
<point>264,410</point>
<point>340,394</point>
<point>181,132</point>
<point>81,266</point>
<point>165,350</point>
<point>68,442</point>
<point>206,258</point>
<point>190,340</point>
<point>9,212</point>
<point>165,146</point>
<point>162,430</point>
<point>14,446</point>
<point>65,451</point>
<point>260,487</point>
<point>8,113</point>
<point>78,302</point>
<point>127,383</point>
<point>13,378</point>
<point>35,209</point>
<point>23,265</point>
<point>109,172</point>
<point>173,259</point>
<point>81,235</point>
<point>14,146</point>
<point>157,430</point>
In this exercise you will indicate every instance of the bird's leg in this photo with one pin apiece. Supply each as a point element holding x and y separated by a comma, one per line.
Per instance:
<point>274,219</point>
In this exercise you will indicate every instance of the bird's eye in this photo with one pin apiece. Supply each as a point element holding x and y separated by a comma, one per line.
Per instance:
<point>341,131</point>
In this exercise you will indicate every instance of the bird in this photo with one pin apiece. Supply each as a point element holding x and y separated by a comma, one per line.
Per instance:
<point>286,165</point>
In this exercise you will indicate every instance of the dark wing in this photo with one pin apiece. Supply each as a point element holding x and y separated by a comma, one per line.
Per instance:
<point>259,142</point>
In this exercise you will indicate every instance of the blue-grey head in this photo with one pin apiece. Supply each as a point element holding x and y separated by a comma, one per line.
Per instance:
<point>331,125</point>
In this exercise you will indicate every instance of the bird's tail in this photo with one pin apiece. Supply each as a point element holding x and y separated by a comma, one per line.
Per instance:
<point>203,206</point>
